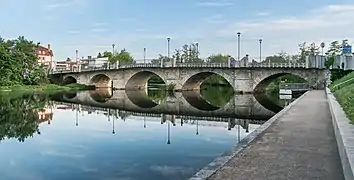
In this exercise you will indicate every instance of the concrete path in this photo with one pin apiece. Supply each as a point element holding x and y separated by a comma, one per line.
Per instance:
<point>300,145</point>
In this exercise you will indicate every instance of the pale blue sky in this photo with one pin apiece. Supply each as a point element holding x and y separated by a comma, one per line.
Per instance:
<point>92,25</point>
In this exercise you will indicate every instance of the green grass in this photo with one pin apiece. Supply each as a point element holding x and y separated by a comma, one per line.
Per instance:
<point>45,88</point>
<point>343,90</point>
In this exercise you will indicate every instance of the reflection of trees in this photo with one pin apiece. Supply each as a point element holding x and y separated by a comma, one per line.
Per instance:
<point>19,116</point>
<point>217,95</point>
<point>156,95</point>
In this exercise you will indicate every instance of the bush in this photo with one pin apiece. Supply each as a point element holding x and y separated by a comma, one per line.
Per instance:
<point>343,90</point>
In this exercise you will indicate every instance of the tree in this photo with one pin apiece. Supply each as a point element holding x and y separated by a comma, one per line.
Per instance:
<point>160,58</point>
<point>217,58</point>
<point>18,63</point>
<point>124,57</point>
<point>107,54</point>
<point>188,54</point>
<point>99,55</point>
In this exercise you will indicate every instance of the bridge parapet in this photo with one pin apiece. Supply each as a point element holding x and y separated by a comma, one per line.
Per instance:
<point>188,65</point>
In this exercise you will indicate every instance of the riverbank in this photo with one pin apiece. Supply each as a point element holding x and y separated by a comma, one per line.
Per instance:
<point>45,88</point>
<point>289,147</point>
<point>343,89</point>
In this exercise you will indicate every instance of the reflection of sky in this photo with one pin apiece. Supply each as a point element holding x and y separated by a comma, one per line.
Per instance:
<point>91,151</point>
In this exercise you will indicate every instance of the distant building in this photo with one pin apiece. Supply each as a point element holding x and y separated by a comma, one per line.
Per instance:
<point>66,65</point>
<point>91,62</point>
<point>45,115</point>
<point>45,56</point>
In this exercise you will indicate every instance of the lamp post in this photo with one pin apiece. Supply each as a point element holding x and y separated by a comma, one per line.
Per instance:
<point>113,128</point>
<point>197,133</point>
<point>144,55</point>
<point>260,50</point>
<point>238,45</point>
<point>197,45</point>
<point>113,45</point>
<point>322,46</point>
<point>168,133</point>
<point>168,49</point>
<point>76,57</point>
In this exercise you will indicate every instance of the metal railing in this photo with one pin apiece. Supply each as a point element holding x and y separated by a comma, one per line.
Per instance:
<point>294,86</point>
<point>185,65</point>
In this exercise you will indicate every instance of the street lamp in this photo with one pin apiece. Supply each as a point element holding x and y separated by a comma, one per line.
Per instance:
<point>77,57</point>
<point>322,46</point>
<point>238,44</point>
<point>113,45</point>
<point>260,50</point>
<point>168,133</point>
<point>197,44</point>
<point>168,49</point>
<point>144,55</point>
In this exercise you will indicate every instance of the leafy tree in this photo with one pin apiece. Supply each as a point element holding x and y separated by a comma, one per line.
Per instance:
<point>161,58</point>
<point>18,63</point>
<point>107,54</point>
<point>99,55</point>
<point>217,58</point>
<point>124,57</point>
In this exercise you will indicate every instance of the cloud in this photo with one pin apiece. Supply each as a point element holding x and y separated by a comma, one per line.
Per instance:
<point>214,3</point>
<point>59,5</point>
<point>99,24</point>
<point>73,32</point>
<point>326,24</point>
<point>76,4</point>
<point>215,19</point>
<point>98,30</point>
<point>264,13</point>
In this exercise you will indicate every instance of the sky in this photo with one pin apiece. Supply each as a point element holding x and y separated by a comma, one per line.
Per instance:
<point>92,26</point>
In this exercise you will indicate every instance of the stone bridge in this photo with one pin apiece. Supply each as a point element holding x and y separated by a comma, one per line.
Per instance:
<point>184,104</point>
<point>243,79</point>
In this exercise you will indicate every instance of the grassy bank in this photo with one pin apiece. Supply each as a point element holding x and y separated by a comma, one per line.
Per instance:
<point>343,90</point>
<point>46,88</point>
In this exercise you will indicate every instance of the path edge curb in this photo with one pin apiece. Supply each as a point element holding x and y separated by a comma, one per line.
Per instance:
<point>344,134</point>
<point>221,160</point>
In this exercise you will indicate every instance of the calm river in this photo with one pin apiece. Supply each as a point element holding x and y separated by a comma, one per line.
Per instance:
<point>105,135</point>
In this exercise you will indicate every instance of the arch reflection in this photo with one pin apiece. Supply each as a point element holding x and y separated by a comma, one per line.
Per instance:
<point>70,95</point>
<point>148,98</point>
<point>210,98</point>
<point>101,95</point>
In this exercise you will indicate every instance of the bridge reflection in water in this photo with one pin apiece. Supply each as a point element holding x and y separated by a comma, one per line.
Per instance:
<point>193,107</point>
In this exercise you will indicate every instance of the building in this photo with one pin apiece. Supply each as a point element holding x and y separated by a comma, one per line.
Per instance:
<point>91,63</point>
<point>65,65</point>
<point>45,56</point>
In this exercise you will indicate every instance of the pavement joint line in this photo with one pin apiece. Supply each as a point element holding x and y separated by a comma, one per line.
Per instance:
<point>221,160</point>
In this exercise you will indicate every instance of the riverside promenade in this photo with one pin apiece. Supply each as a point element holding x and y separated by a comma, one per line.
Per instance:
<point>300,145</point>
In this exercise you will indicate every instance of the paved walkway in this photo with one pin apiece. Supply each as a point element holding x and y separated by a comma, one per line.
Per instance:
<point>300,145</point>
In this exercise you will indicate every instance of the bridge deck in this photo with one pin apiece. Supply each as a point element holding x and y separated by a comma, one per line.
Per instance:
<point>300,145</point>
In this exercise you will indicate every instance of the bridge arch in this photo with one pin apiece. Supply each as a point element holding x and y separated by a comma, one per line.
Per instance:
<point>69,80</point>
<point>195,81</point>
<point>101,81</point>
<point>139,80</point>
<point>261,83</point>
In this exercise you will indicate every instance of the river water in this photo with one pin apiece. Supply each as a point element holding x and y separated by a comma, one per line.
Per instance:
<point>105,135</point>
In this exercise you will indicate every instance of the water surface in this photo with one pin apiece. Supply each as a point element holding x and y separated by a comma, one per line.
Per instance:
<point>111,135</point>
